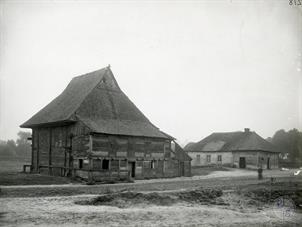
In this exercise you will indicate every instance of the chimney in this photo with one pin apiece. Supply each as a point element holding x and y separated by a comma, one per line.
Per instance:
<point>246,130</point>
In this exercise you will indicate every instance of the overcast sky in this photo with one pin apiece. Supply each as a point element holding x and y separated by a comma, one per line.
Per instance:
<point>192,68</point>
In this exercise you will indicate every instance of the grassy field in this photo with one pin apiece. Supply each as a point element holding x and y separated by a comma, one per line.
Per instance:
<point>11,174</point>
<point>12,164</point>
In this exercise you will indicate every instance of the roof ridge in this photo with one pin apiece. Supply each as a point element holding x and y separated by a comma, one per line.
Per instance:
<point>103,110</point>
<point>227,132</point>
<point>92,72</point>
<point>96,84</point>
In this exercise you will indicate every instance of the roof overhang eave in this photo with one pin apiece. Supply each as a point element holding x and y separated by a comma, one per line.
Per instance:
<point>271,151</point>
<point>48,124</point>
<point>93,132</point>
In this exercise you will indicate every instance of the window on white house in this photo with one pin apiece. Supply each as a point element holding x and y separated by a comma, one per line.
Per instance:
<point>219,158</point>
<point>198,158</point>
<point>208,158</point>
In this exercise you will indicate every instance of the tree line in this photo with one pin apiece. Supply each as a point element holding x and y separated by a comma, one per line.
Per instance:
<point>19,148</point>
<point>289,143</point>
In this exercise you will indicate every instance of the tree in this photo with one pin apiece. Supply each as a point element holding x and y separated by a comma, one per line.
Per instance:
<point>289,143</point>
<point>280,140</point>
<point>23,138</point>
<point>295,142</point>
<point>23,145</point>
<point>20,148</point>
<point>7,148</point>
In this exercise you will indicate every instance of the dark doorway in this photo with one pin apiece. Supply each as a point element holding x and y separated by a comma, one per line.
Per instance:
<point>131,169</point>
<point>69,163</point>
<point>242,164</point>
<point>268,164</point>
<point>105,164</point>
<point>80,163</point>
<point>182,168</point>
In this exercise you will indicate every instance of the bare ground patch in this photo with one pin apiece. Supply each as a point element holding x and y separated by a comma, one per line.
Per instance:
<point>244,202</point>
<point>130,198</point>
<point>200,207</point>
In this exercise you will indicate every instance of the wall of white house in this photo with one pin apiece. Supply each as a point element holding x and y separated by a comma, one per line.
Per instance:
<point>210,158</point>
<point>250,157</point>
<point>253,159</point>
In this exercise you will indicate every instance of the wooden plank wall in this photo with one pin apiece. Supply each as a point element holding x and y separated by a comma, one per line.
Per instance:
<point>52,149</point>
<point>52,146</point>
<point>142,151</point>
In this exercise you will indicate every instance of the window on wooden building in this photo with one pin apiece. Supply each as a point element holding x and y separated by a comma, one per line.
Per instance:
<point>208,158</point>
<point>114,165</point>
<point>152,164</point>
<point>123,164</point>
<point>219,158</point>
<point>147,164</point>
<point>156,146</point>
<point>97,164</point>
<point>198,159</point>
<point>101,144</point>
<point>139,163</point>
<point>122,145</point>
<point>105,164</point>
<point>139,146</point>
<point>167,149</point>
<point>167,146</point>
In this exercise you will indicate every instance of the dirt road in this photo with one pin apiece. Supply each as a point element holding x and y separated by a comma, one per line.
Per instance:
<point>222,179</point>
<point>59,205</point>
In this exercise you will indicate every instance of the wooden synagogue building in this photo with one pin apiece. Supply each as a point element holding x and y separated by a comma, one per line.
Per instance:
<point>93,131</point>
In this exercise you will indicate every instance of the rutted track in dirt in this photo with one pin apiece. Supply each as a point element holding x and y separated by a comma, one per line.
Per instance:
<point>126,199</point>
<point>222,183</point>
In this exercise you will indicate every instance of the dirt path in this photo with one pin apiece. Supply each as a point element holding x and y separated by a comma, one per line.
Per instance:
<point>56,205</point>
<point>223,179</point>
<point>216,174</point>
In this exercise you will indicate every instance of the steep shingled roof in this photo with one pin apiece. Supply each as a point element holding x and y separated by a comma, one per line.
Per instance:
<point>96,100</point>
<point>232,141</point>
<point>63,107</point>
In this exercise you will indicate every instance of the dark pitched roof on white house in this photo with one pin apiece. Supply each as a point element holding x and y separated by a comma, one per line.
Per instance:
<point>96,100</point>
<point>231,141</point>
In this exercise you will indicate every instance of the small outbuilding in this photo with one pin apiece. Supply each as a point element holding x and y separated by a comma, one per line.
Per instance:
<point>236,149</point>
<point>92,130</point>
